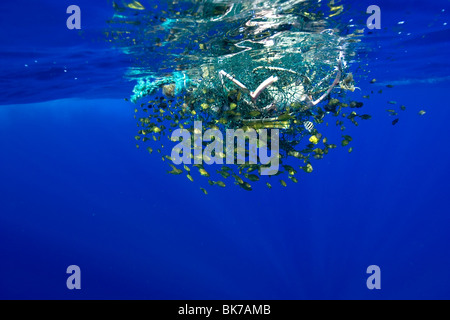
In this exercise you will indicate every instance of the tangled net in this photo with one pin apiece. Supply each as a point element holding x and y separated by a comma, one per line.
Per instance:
<point>283,80</point>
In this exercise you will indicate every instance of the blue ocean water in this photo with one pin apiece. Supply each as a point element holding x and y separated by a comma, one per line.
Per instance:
<point>74,190</point>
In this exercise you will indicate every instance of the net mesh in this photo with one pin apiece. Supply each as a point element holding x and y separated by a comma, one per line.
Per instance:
<point>269,82</point>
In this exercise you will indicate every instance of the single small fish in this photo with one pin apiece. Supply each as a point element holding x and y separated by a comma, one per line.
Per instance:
<point>293,179</point>
<point>220,184</point>
<point>290,170</point>
<point>224,174</point>
<point>175,170</point>
<point>238,179</point>
<point>245,186</point>
<point>318,151</point>
<point>309,126</point>
<point>252,177</point>
<point>203,172</point>
<point>347,138</point>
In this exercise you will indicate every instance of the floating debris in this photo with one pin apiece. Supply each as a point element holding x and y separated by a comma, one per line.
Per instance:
<point>395,122</point>
<point>298,100</point>
<point>422,112</point>
<point>169,90</point>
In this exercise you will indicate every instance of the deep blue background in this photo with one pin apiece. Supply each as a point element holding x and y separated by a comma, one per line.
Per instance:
<point>75,190</point>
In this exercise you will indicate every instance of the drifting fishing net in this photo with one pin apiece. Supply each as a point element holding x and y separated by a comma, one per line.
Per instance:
<point>271,79</point>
